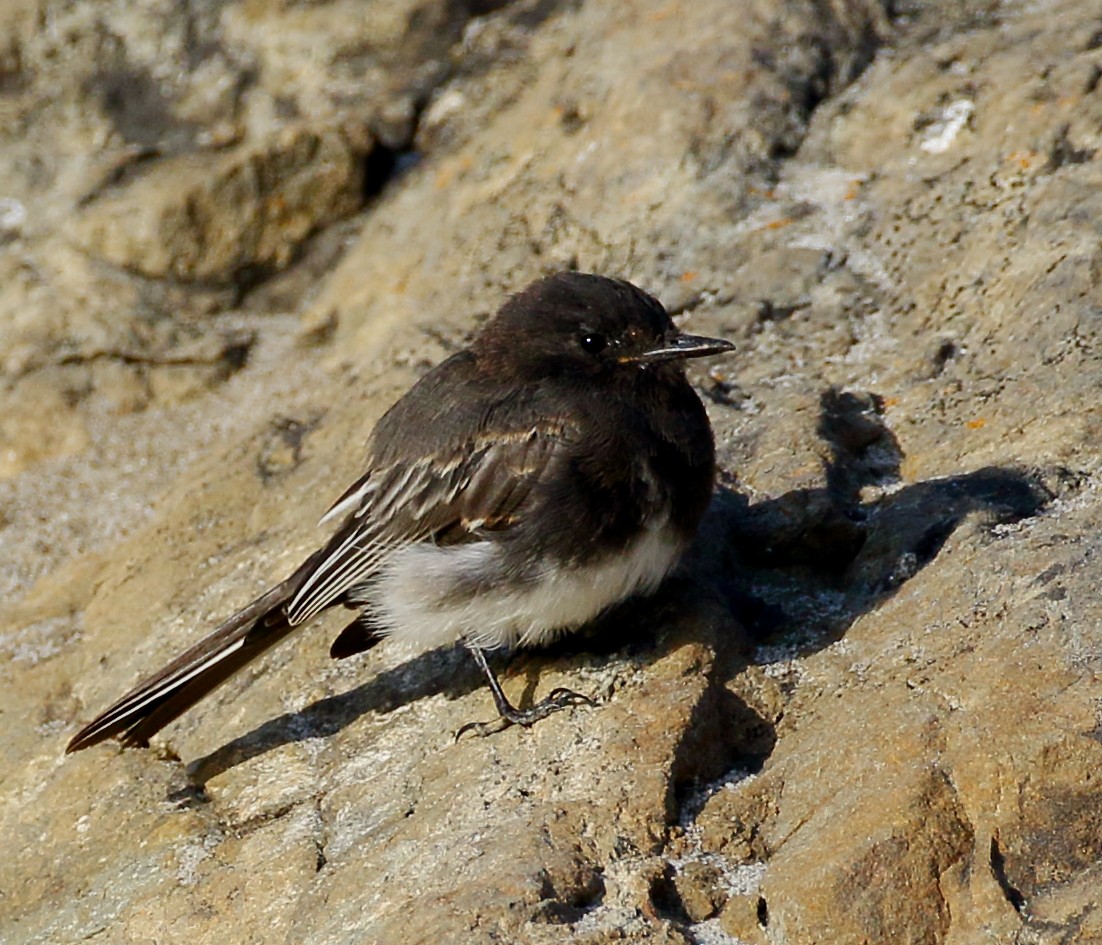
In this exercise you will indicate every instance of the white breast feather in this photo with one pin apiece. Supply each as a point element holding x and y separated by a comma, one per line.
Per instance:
<point>413,598</point>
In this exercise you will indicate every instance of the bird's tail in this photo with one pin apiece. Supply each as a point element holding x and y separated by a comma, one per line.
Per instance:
<point>156,701</point>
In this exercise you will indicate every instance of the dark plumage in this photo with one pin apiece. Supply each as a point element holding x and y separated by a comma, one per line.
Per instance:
<point>556,466</point>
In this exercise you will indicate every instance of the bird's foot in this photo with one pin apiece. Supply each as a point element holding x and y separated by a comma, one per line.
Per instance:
<point>509,715</point>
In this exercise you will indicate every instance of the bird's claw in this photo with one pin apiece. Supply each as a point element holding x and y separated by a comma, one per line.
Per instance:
<point>563,698</point>
<point>557,700</point>
<point>482,729</point>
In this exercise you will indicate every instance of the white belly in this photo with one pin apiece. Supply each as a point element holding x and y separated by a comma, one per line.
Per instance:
<point>418,597</point>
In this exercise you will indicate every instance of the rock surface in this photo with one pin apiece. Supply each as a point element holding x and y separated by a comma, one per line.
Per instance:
<point>867,710</point>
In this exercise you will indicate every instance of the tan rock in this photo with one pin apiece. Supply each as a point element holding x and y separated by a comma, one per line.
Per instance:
<point>869,713</point>
<point>228,216</point>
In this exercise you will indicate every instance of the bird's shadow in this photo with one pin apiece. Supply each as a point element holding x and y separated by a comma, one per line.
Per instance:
<point>804,566</point>
<point>794,571</point>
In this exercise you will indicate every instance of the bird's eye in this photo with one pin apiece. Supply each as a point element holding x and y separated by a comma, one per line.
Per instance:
<point>592,342</point>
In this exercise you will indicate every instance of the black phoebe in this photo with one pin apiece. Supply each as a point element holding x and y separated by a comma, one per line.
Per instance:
<point>558,465</point>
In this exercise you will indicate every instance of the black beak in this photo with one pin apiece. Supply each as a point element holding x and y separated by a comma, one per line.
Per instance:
<point>685,346</point>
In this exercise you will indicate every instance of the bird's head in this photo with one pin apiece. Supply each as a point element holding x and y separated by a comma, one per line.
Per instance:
<point>574,323</point>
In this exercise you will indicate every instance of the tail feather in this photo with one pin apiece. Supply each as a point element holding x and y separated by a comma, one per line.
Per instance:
<point>358,637</point>
<point>161,698</point>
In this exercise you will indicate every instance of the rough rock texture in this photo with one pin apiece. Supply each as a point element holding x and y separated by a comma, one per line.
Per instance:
<point>868,709</point>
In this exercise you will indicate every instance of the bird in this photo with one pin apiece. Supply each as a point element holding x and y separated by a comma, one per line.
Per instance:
<point>556,466</point>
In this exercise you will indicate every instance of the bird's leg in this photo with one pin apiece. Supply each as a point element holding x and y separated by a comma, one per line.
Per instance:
<point>508,714</point>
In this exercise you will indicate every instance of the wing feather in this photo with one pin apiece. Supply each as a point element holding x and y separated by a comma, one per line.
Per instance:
<point>478,488</point>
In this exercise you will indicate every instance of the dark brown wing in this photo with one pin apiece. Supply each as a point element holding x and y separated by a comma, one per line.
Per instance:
<point>474,491</point>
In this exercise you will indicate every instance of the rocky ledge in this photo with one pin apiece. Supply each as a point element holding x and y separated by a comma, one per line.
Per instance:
<point>867,709</point>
